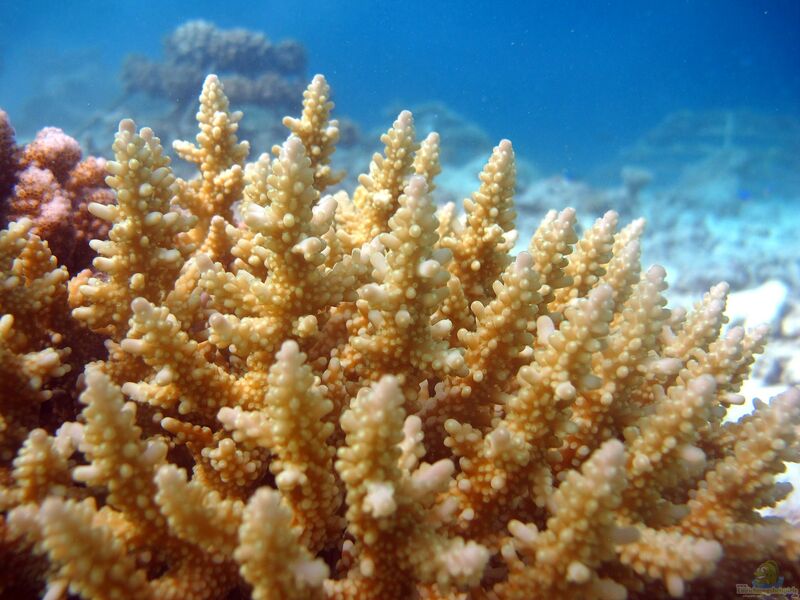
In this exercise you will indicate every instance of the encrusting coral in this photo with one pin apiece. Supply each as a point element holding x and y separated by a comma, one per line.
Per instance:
<point>308,395</point>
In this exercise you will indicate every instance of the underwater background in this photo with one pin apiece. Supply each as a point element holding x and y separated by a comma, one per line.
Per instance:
<point>571,83</point>
<point>686,113</point>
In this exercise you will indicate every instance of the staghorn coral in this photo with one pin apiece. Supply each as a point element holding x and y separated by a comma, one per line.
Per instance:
<point>33,313</point>
<point>315,396</point>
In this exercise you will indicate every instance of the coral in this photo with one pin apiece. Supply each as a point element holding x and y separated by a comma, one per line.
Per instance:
<point>47,182</point>
<point>32,350</point>
<point>744,241</point>
<point>309,395</point>
<point>464,140</point>
<point>254,70</point>
<point>8,156</point>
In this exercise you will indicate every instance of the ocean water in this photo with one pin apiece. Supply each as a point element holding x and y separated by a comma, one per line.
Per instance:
<point>569,82</point>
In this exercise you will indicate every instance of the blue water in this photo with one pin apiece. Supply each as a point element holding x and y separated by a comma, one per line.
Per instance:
<point>569,82</point>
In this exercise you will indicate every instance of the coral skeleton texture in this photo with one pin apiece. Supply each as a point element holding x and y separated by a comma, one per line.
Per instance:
<point>311,394</point>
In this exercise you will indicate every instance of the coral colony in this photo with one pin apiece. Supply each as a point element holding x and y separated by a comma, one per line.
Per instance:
<point>312,395</point>
<point>48,182</point>
<point>253,69</point>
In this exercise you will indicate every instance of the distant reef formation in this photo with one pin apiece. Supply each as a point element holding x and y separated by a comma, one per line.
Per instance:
<point>253,69</point>
<point>755,155</point>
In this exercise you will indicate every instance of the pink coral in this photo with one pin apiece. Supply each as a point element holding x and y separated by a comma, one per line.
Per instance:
<point>54,150</point>
<point>86,184</point>
<point>38,195</point>
<point>47,182</point>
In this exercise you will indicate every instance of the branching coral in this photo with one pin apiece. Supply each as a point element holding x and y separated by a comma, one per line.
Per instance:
<point>32,349</point>
<point>309,395</point>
